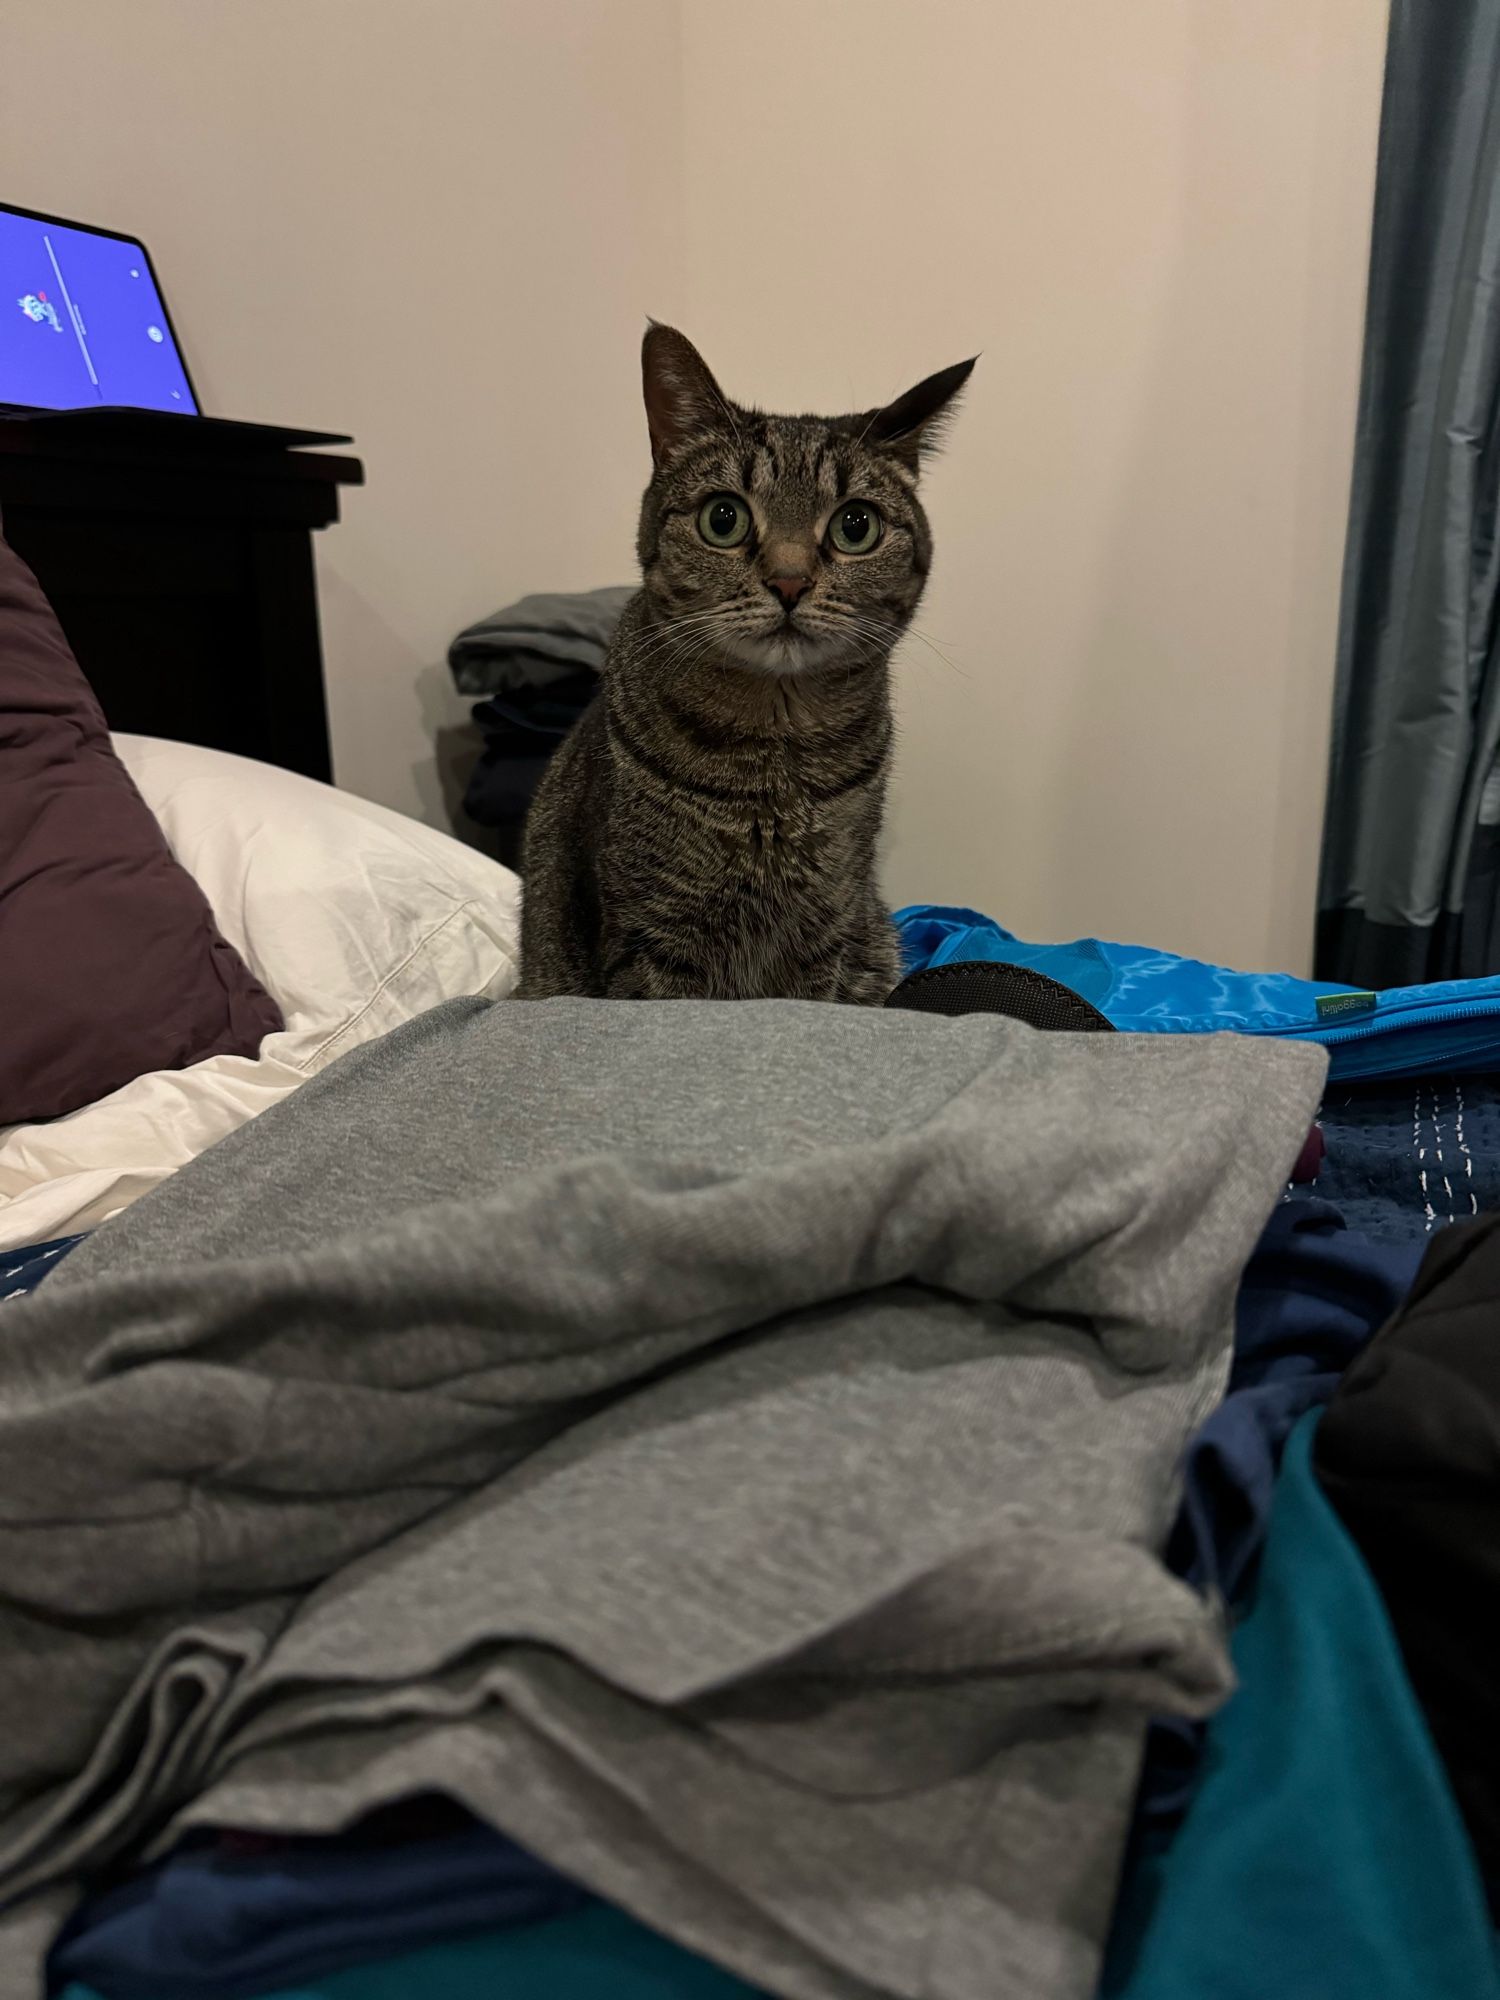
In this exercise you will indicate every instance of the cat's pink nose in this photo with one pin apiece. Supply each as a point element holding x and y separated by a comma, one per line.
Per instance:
<point>790,588</point>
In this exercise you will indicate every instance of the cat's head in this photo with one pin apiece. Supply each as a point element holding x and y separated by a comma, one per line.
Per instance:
<point>780,544</point>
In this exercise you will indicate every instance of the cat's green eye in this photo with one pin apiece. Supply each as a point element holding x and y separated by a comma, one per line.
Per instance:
<point>723,521</point>
<point>855,528</point>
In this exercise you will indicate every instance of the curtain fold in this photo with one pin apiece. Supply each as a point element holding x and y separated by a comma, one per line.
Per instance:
<point>1410,880</point>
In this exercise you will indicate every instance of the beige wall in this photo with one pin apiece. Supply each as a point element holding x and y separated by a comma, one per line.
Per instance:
<point>436,224</point>
<point>1153,220</point>
<point>439,224</point>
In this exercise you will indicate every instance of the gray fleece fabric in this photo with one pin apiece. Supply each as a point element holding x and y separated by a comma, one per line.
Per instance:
<point>725,1444</point>
<point>544,638</point>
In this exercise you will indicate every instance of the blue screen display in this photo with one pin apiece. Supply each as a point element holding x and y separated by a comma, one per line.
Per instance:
<point>81,322</point>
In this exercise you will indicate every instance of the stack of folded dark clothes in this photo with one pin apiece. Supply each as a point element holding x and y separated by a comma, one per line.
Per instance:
<point>537,665</point>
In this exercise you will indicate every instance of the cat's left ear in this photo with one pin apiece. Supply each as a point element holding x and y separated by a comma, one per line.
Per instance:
<point>683,401</point>
<point>912,427</point>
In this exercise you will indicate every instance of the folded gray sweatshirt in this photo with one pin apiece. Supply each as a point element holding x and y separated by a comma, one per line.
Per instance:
<point>727,1445</point>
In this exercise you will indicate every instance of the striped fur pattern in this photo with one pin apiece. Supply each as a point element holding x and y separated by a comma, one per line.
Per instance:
<point>709,828</point>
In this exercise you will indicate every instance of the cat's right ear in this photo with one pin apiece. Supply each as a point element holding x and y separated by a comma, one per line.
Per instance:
<point>683,401</point>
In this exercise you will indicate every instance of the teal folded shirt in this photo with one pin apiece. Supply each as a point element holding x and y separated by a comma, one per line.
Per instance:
<point>1322,1857</point>
<point>600,1954</point>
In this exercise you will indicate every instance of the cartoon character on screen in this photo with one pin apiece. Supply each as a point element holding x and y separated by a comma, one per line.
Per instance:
<point>37,306</point>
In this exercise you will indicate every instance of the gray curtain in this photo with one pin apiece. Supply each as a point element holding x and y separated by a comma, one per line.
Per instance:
<point>1411,847</point>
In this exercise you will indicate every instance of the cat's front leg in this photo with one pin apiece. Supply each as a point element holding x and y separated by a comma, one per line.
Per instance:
<point>641,976</point>
<point>871,968</point>
<point>865,986</point>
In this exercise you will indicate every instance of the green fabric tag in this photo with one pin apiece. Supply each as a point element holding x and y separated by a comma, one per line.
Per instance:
<point>1330,1004</point>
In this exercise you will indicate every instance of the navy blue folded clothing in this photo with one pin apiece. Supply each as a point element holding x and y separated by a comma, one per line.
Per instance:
<point>542,716</point>
<point>521,731</point>
<point>1311,1298</point>
<point>213,1923</point>
<point>502,785</point>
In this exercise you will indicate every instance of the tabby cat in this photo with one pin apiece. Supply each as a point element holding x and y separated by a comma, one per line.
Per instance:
<point>708,829</point>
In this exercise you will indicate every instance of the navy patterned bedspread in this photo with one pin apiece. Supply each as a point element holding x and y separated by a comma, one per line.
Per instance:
<point>1410,1156</point>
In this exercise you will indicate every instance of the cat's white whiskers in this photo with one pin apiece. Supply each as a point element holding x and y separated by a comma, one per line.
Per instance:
<point>894,633</point>
<point>666,637</point>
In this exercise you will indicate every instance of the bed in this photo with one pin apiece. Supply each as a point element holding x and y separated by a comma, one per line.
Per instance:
<point>336,919</point>
<point>572,1501</point>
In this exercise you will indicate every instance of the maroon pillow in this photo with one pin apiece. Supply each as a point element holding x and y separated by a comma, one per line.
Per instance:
<point>110,962</point>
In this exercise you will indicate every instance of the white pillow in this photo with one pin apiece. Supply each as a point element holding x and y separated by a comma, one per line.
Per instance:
<point>353,917</point>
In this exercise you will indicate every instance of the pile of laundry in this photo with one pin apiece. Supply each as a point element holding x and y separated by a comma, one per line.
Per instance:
<point>537,665</point>
<point>775,1499</point>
